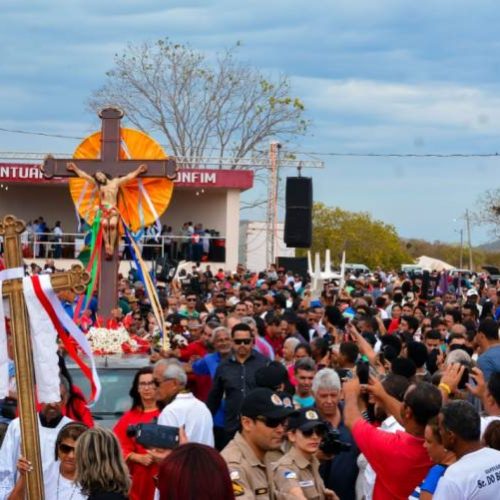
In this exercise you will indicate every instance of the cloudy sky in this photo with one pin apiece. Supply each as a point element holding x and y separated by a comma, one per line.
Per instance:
<point>380,76</point>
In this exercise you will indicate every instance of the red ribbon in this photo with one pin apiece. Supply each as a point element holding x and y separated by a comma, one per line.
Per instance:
<point>68,342</point>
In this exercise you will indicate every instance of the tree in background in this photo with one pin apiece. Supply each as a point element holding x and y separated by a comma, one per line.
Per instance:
<point>201,106</point>
<point>366,241</point>
<point>489,210</point>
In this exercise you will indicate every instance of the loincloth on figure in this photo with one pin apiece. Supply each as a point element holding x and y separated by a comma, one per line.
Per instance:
<point>108,211</point>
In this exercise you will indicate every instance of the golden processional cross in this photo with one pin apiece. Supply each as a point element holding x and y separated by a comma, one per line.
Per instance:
<point>76,280</point>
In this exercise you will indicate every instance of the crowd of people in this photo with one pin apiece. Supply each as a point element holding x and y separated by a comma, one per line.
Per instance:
<point>386,388</point>
<point>190,242</point>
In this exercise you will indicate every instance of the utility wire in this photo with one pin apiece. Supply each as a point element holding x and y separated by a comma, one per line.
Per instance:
<point>310,153</point>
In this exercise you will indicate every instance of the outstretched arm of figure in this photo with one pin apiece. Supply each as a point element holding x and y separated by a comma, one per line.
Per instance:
<point>70,166</point>
<point>138,171</point>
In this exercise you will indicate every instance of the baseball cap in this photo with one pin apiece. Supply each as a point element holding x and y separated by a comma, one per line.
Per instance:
<point>472,292</point>
<point>264,402</point>
<point>305,419</point>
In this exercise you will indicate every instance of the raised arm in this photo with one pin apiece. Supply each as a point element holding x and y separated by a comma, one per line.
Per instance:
<point>71,167</point>
<point>138,171</point>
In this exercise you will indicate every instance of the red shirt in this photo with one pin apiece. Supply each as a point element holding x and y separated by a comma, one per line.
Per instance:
<point>399,460</point>
<point>143,486</point>
<point>276,344</point>
<point>199,384</point>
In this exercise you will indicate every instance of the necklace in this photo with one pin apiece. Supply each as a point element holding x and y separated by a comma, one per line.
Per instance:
<point>72,489</point>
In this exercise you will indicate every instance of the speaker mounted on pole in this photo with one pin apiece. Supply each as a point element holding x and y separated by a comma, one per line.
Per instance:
<point>298,215</point>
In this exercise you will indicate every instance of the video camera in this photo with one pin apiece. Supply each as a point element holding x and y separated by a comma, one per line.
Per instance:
<point>154,435</point>
<point>331,443</point>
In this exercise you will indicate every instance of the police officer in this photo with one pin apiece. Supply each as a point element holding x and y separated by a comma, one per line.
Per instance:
<point>296,474</point>
<point>262,429</point>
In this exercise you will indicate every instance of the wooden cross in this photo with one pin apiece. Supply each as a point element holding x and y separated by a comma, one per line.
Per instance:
<point>111,164</point>
<point>76,280</point>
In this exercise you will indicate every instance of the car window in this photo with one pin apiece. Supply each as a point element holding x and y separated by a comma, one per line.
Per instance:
<point>115,383</point>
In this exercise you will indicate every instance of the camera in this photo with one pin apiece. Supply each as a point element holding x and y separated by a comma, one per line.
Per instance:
<point>154,435</point>
<point>331,443</point>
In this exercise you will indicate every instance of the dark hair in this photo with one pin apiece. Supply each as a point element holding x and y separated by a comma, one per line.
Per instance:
<point>134,390</point>
<point>424,400</point>
<point>433,335</point>
<point>321,344</point>
<point>241,327</point>
<point>333,315</point>
<point>73,430</point>
<point>304,346</point>
<point>396,385</point>
<point>417,352</point>
<point>494,387</point>
<point>491,435</point>
<point>71,409</point>
<point>412,322</point>
<point>461,418</point>
<point>350,351</point>
<point>394,343</point>
<point>404,367</point>
<point>455,314</point>
<point>489,328</point>
<point>194,471</point>
<point>306,364</point>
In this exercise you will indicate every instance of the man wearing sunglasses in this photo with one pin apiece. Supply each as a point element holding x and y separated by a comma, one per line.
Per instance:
<point>235,377</point>
<point>296,474</point>
<point>262,429</point>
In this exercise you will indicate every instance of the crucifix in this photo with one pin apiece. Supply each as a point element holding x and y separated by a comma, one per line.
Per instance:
<point>109,170</point>
<point>76,280</point>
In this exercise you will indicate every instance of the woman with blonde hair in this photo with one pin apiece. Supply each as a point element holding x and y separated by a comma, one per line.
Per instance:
<point>100,468</point>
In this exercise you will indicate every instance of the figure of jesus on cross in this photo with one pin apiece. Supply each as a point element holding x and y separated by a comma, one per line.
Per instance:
<point>108,188</point>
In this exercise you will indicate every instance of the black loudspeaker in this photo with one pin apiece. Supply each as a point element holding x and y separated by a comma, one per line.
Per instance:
<point>298,215</point>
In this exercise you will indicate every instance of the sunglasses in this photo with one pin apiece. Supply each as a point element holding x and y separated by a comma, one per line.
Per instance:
<point>190,300</point>
<point>242,341</point>
<point>319,430</point>
<point>270,422</point>
<point>66,449</point>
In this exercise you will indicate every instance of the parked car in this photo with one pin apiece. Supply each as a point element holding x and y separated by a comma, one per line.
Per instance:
<point>357,269</point>
<point>116,373</point>
<point>412,269</point>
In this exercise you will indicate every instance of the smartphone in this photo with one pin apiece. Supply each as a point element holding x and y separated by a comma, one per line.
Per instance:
<point>157,436</point>
<point>363,371</point>
<point>464,380</point>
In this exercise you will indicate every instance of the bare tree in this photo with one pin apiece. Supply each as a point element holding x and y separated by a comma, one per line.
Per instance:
<point>202,107</point>
<point>489,210</point>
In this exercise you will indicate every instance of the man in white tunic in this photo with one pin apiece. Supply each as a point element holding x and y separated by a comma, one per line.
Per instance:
<point>50,420</point>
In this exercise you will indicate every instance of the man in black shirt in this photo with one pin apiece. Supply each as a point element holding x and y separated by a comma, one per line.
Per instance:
<point>235,377</point>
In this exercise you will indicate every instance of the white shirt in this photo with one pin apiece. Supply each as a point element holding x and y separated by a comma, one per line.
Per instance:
<point>476,476</point>
<point>58,487</point>
<point>186,410</point>
<point>10,452</point>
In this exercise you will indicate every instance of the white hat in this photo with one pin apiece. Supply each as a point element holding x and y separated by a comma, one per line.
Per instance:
<point>472,292</point>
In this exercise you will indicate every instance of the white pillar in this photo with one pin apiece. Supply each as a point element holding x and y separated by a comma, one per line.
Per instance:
<point>232,228</point>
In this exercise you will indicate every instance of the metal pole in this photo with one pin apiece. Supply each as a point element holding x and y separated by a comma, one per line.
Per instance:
<point>461,247</point>
<point>467,219</point>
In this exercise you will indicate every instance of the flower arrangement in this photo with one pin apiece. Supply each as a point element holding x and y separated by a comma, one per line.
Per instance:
<point>109,341</point>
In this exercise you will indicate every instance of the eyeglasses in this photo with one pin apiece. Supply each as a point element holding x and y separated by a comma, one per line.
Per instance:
<point>319,430</point>
<point>270,422</point>
<point>66,449</point>
<point>147,384</point>
<point>242,341</point>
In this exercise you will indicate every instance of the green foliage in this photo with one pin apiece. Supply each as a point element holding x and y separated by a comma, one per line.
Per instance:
<point>366,241</point>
